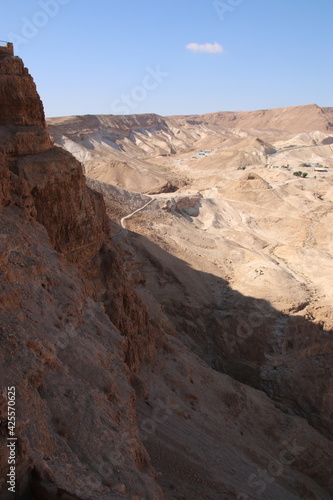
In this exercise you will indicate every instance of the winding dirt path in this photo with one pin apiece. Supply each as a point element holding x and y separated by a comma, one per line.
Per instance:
<point>122,220</point>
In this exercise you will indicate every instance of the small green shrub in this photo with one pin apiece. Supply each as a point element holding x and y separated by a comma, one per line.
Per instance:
<point>306,165</point>
<point>164,168</point>
<point>301,174</point>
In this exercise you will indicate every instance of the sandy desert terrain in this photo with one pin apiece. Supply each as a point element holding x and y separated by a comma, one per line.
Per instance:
<point>226,198</point>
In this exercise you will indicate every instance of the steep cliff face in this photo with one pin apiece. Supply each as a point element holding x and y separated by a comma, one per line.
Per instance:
<point>57,343</point>
<point>73,215</point>
<point>66,362</point>
<point>51,186</point>
<point>22,121</point>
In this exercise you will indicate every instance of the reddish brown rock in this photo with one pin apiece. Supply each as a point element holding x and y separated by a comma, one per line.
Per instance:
<point>4,182</point>
<point>22,120</point>
<point>75,404</point>
<point>73,215</point>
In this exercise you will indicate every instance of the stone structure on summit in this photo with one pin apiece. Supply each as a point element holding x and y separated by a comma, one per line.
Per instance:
<point>7,49</point>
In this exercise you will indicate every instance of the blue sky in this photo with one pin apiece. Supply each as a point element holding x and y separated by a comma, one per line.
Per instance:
<point>103,56</point>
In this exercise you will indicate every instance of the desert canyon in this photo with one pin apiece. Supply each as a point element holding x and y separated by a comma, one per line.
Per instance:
<point>166,305</point>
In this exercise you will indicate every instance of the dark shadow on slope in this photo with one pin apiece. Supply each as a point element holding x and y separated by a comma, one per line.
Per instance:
<point>287,356</point>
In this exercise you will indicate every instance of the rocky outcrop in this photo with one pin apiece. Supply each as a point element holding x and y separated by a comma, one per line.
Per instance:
<point>22,121</point>
<point>71,390</point>
<point>73,215</point>
<point>187,206</point>
<point>57,343</point>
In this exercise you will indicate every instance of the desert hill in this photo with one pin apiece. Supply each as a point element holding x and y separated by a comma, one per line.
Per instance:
<point>291,119</point>
<point>115,149</point>
<point>182,352</point>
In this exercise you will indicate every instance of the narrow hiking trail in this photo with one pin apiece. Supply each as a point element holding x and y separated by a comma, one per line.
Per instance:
<point>122,220</point>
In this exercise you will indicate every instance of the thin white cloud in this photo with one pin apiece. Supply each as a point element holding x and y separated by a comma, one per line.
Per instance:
<point>207,48</point>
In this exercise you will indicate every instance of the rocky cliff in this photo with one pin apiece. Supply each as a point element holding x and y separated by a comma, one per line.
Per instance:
<point>54,336</point>
<point>111,402</point>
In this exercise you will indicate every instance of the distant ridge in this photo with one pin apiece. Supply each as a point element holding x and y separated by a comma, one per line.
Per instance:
<point>292,119</point>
